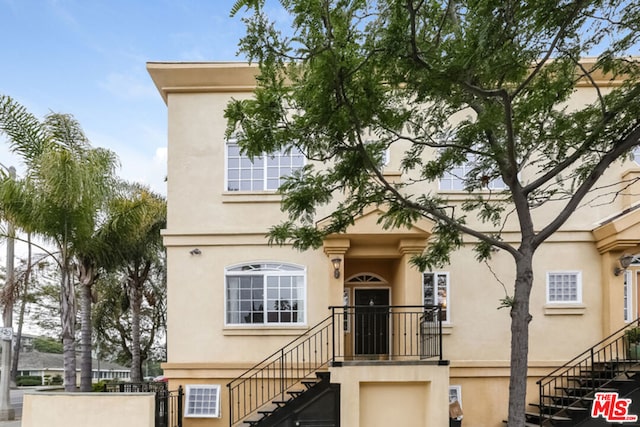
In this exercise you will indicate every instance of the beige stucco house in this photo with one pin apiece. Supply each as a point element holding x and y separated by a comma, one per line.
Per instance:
<point>233,300</point>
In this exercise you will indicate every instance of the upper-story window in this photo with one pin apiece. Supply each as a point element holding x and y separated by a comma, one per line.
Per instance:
<point>265,293</point>
<point>264,173</point>
<point>454,179</point>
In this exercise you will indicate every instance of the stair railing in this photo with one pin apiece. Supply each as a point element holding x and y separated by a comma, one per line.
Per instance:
<point>272,377</point>
<point>407,333</point>
<point>594,361</point>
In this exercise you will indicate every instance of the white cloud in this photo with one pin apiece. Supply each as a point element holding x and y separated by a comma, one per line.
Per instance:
<point>143,157</point>
<point>161,156</point>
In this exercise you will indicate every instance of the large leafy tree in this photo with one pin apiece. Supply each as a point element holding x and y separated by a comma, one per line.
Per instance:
<point>448,81</point>
<point>61,198</point>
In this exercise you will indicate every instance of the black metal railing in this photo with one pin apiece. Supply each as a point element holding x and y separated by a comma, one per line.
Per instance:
<point>276,374</point>
<point>594,368</point>
<point>364,332</point>
<point>350,333</point>
<point>168,404</point>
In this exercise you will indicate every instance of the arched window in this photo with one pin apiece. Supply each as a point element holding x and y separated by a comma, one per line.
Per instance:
<point>265,294</point>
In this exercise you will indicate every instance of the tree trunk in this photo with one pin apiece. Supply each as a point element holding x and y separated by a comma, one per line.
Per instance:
<point>136,303</point>
<point>85,334</point>
<point>68,322</point>
<point>23,306</point>
<point>137,280</point>
<point>520,319</point>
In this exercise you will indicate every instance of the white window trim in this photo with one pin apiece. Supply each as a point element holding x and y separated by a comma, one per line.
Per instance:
<point>266,325</point>
<point>578,290</point>
<point>448,290</point>
<point>386,154</point>
<point>466,167</point>
<point>190,388</point>
<point>628,289</point>
<point>264,190</point>
<point>457,389</point>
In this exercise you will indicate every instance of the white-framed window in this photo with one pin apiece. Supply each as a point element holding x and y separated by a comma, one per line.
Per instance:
<point>564,287</point>
<point>202,401</point>
<point>264,173</point>
<point>636,154</point>
<point>455,402</point>
<point>453,180</point>
<point>435,291</point>
<point>346,300</point>
<point>265,293</point>
<point>628,296</point>
<point>455,394</point>
<point>386,153</point>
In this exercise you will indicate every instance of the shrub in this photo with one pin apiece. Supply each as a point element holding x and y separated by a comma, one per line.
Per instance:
<point>27,380</point>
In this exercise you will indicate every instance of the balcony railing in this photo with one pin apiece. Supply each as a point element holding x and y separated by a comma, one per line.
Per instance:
<point>349,334</point>
<point>386,333</point>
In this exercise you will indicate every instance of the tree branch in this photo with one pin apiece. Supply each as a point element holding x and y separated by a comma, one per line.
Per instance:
<point>619,148</point>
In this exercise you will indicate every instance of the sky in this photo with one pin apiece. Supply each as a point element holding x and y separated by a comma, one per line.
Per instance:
<point>88,57</point>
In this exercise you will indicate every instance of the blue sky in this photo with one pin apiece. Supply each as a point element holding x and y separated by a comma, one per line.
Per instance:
<point>88,57</point>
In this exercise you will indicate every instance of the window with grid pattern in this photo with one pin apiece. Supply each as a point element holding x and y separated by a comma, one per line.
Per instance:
<point>268,293</point>
<point>454,179</point>
<point>564,287</point>
<point>435,291</point>
<point>264,173</point>
<point>202,401</point>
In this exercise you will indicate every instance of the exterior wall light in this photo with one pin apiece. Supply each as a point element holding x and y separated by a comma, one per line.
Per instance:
<point>336,267</point>
<point>625,261</point>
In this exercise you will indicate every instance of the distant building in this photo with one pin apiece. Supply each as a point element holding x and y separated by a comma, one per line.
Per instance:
<point>48,365</point>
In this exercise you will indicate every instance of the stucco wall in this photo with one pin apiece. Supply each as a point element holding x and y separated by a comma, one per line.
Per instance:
<point>230,228</point>
<point>401,395</point>
<point>88,409</point>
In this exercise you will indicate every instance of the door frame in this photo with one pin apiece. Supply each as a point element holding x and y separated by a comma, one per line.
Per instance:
<point>355,322</point>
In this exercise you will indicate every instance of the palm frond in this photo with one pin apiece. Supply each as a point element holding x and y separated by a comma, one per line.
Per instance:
<point>27,137</point>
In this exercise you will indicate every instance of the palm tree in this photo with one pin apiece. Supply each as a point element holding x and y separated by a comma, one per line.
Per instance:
<point>136,219</point>
<point>61,198</point>
<point>112,316</point>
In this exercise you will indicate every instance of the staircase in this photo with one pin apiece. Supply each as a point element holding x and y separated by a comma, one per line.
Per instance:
<point>292,386</point>
<point>315,402</point>
<point>566,395</point>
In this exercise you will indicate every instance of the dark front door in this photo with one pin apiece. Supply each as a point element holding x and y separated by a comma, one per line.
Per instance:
<point>371,321</point>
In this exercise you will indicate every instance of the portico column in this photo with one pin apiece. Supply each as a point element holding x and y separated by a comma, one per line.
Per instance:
<point>335,249</point>
<point>409,290</point>
<point>613,290</point>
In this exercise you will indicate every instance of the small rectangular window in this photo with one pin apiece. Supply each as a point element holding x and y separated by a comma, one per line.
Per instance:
<point>435,291</point>
<point>455,402</point>
<point>564,287</point>
<point>202,401</point>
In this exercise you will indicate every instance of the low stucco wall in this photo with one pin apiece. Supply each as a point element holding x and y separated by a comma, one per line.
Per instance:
<point>393,395</point>
<point>53,409</point>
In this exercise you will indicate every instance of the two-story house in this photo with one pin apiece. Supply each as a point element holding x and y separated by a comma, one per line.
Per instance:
<point>393,345</point>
